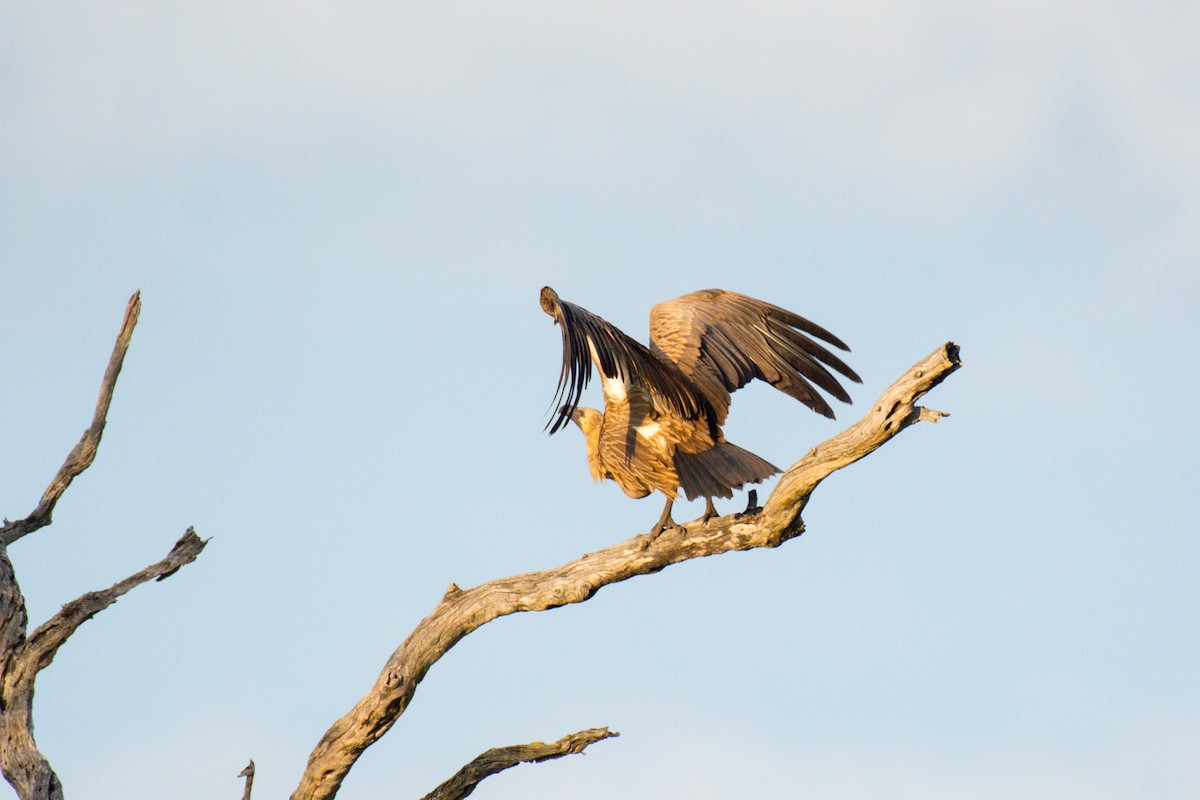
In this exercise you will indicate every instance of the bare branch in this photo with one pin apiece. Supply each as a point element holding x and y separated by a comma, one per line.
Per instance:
<point>14,619</point>
<point>21,658</point>
<point>248,774</point>
<point>41,647</point>
<point>462,611</point>
<point>894,411</point>
<point>499,759</point>
<point>84,452</point>
<point>23,765</point>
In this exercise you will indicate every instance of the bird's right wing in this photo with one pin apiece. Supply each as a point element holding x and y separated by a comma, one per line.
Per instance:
<point>589,339</point>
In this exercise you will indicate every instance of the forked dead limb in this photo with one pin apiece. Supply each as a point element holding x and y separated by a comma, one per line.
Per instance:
<point>23,655</point>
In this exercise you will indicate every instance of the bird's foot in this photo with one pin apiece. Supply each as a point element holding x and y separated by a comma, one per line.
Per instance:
<point>661,527</point>
<point>664,522</point>
<point>710,511</point>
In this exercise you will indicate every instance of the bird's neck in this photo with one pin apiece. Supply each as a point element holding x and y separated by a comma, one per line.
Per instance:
<point>592,437</point>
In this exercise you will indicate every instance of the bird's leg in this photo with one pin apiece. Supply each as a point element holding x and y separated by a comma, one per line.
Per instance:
<point>664,521</point>
<point>710,510</point>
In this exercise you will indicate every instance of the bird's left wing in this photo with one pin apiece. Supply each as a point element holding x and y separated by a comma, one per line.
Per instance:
<point>589,339</point>
<point>722,340</point>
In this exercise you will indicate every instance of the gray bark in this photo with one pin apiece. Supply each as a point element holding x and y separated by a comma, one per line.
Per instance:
<point>24,655</point>
<point>499,759</point>
<point>248,774</point>
<point>84,452</point>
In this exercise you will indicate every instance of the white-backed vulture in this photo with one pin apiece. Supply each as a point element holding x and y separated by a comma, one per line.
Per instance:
<point>664,405</point>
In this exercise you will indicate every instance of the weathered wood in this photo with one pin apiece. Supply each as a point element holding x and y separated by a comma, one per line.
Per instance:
<point>25,768</point>
<point>894,411</point>
<point>248,774</point>
<point>461,611</point>
<point>499,759</point>
<point>84,452</point>
<point>23,656</point>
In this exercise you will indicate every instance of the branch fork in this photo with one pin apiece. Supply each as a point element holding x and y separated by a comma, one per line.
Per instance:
<point>23,655</point>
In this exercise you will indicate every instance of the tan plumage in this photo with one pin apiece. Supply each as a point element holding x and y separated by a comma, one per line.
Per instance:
<point>664,405</point>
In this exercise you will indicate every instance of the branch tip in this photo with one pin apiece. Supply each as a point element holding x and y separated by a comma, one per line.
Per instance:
<point>499,759</point>
<point>83,453</point>
<point>930,414</point>
<point>248,774</point>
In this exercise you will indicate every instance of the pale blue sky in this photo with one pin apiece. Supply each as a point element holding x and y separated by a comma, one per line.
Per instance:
<point>340,217</point>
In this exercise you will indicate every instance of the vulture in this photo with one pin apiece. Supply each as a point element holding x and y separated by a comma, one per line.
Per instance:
<point>664,405</point>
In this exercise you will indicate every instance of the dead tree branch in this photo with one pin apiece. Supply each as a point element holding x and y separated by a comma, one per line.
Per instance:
<point>248,774</point>
<point>22,657</point>
<point>84,452</point>
<point>499,759</point>
<point>462,611</point>
<point>40,648</point>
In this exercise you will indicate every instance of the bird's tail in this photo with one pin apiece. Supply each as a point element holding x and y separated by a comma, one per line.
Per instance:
<point>719,470</point>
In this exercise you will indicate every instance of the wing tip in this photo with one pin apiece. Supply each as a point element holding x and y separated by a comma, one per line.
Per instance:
<point>549,300</point>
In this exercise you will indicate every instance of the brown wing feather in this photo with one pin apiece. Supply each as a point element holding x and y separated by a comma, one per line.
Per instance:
<point>618,356</point>
<point>722,340</point>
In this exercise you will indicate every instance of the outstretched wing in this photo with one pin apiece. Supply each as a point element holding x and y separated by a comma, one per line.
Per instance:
<point>722,340</point>
<point>588,339</point>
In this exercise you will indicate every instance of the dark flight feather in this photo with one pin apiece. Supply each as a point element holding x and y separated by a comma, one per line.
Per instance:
<point>664,431</point>
<point>620,357</point>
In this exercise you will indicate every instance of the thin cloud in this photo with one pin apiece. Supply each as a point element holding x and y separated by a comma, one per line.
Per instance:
<point>930,101</point>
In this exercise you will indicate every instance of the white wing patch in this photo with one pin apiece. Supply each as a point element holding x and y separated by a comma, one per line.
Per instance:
<point>649,430</point>
<point>615,389</point>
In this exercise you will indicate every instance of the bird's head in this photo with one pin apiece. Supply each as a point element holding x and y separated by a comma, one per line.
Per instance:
<point>588,419</point>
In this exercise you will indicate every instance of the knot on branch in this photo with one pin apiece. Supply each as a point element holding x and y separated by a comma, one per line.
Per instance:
<point>788,532</point>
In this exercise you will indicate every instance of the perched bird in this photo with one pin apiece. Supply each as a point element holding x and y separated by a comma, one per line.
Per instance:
<point>664,405</point>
